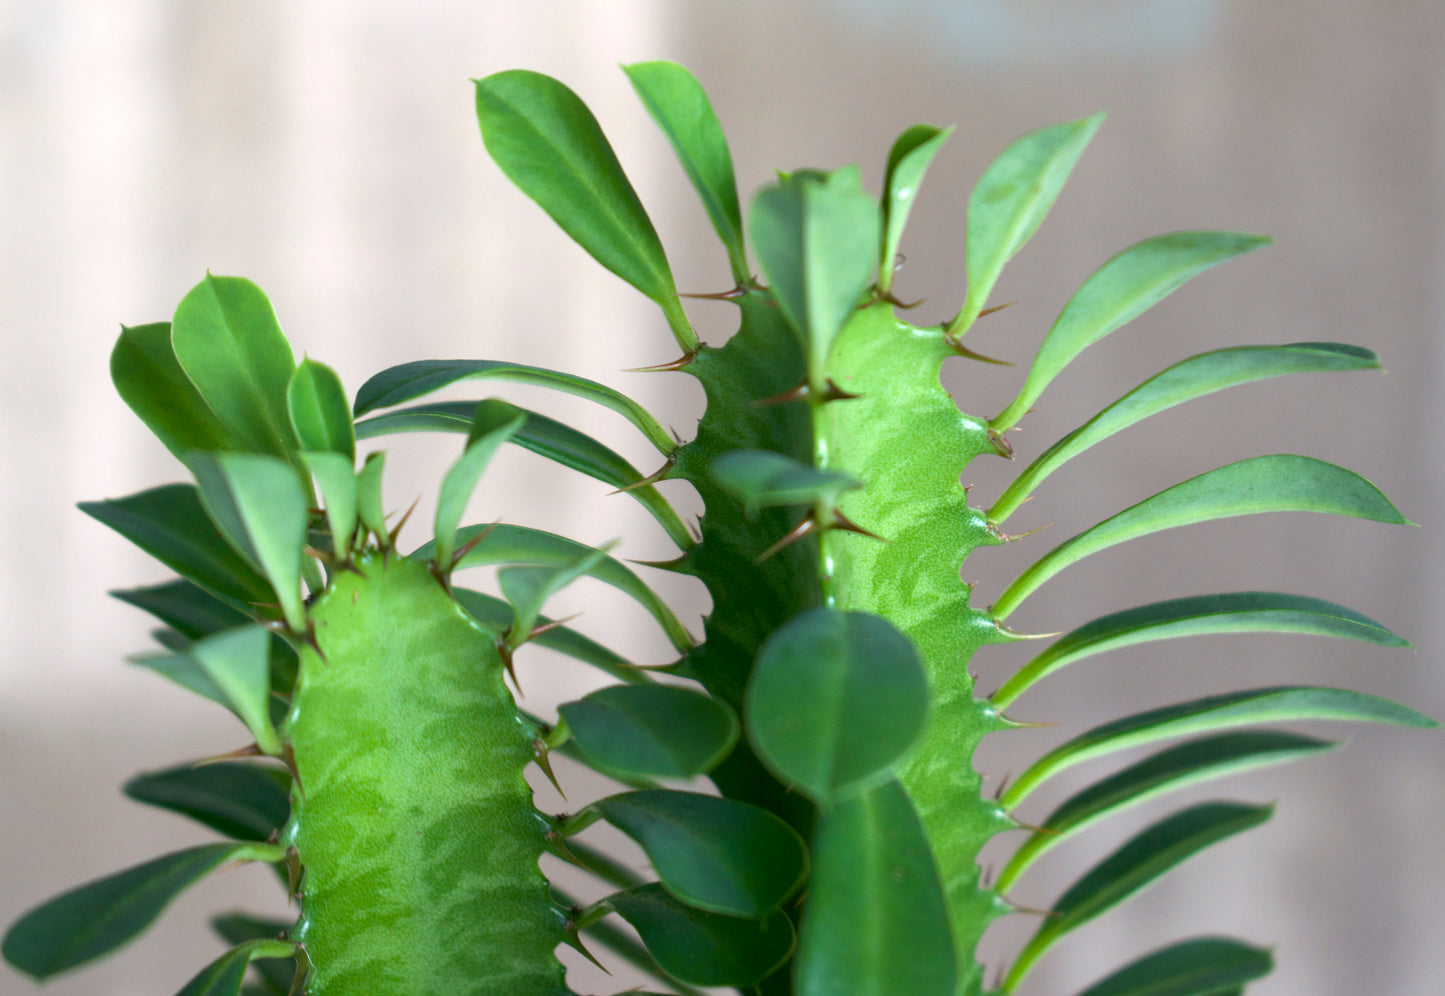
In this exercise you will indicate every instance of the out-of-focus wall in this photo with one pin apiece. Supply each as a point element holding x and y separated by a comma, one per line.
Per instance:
<point>328,150</point>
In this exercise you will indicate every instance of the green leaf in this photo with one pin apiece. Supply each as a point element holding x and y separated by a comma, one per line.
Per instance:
<point>875,923</point>
<point>1167,771</point>
<point>1281,704</point>
<point>238,928</point>
<point>1185,381</point>
<point>679,105</point>
<point>528,587</point>
<point>400,384</point>
<point>1200,615</point>
<point>320,415</point>
<point>544,436</point>
<point>258,502</point>
<point>1203,966</point>
<point>244,801</point>
<point>225,975</point>
<point>652,731</point>
<point>461,479</point>
<point>762,479</point>
<point>548,143</point>
<point>1126,286</point>
<point>185,671</point>
<point>1010,201</point>
<point>369,505</point>
<point>817,240</point>
<point>170,524</point>
<point>149,379</point>
<point>1281,483</point>
<point>834,701</point>
<point>508,544</point>
<point>908,160</point>
<point>95,919</point>
<point>714,854</point>
<point>336,474</point>
<point>496,615</point>
<point>705,949</point>
<point>1133,868</point>
<point>239,662</point>
<point>227,340</point>
<point>185,607</point>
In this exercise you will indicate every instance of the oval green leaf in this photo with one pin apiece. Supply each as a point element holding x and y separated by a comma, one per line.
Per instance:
<point>652,731</point>
<point>875,923</point>
<point>1281,483</point>
<point>762,479</point>
<point>1126,286</point>
<point>320,415</point>
<point>1192,378</point>
<point>714,854</point>
<point>238,928</point>
<point>908,160</point>
<point>834,701</point>
<point>243,801</point>
<point>150,380</point>
<point>1203,966</point>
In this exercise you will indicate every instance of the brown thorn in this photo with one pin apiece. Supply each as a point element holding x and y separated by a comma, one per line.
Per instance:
<point>808,525</point>
<point>1011,537</point>
<point>250,750</point>
<point>471,544</point>
<point>1001,445</point>
<point>841,521</point>
<point>670,365</point>
<point>573,940</point>
<point>508,663</point>
<point>539,753</point>
<point>996,307</point>
<point>1003,784</point>
<point>391,540</point>
<point>545,627</point>
<point>726,295</point>
<point>327,559</point>
<point>798,393</point>
<point>651,478</point>
<point>836,393</point>
<point>958,347</point>
<point>905,305</point>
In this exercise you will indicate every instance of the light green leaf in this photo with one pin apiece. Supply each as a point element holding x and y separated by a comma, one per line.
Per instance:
<point>496,615</point>
<point>320,416</point>
<point>835,700</point>
<point>400,384</point>
<point>150,380</point>
<point>762,479</point>
<point>652,731</point>
<point>95,919</point>
<point>461,479</point>
<point>1167,771</point>
<point>1010,201</point>
<point>336,474</point>
<point>227,340</point>
<point>718,855</point>
<point>1133,868</point>
<point>259,505</point>
<point>908,160</point>
<point>1281,483</point>
<point>225,975</point>
<point>1123,288</point>
<point>181,668</point>
<point>1200,615</point>
<point>1204,966</point>
<point>369,504</point>
<point>679,105</point>
<point>816,237</point>
<point>243,801</point>
<point>239,662</point>
<point>875,923</point>
<point>1185,381</point>
<point>705,949</point>
<point>528,587</point>
<point>548,143</point>
<point>1218,712</point>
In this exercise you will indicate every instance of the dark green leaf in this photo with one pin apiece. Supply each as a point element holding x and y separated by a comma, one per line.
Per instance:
<point>1123,288</point>
<point>190,610</point>
<point>548,143</point>
<point>320,415</point>
<point>705,949</point>
<point>400,384</point>
<point>459,483</point>
<point>1281,483</point>
<point>238,928</point>
<point>225,975</point>
<point>244,801</point>
<point>762,479</point>
<point>1185,381</point>
<point>1167,771</point>
<point>1217,712</point>
<point>714,854</point>
<point>1204,966</point>
<point>1201,615</point>
<point>150,380</point>
<point>834,701</point>
<point>239,662</point>
<point>227,340</point>
<point>527,588</point>
<point>1134,867</point>
<point>678,104</point>
<point>170,524</point>
<point>652,731</point>
<point>875,923</point>
<point>496,615</point>
<point>96,918</point>
<point>907,162</point>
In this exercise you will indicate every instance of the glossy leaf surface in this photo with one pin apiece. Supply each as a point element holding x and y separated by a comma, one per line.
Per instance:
<point>150,380</point>
<point>1123,288</point>
<point>320,414</point>
<point>875,922</point>
<point>835,700</point>
<point>762,479</point>
<point>652,731</point>
<point>1204,966</point>
<point>1134,867</point>
<point>714,854</point>
<point>908,160</point>
<point>1282,483</point>
<point>244,801</point>
<point>459,483</point>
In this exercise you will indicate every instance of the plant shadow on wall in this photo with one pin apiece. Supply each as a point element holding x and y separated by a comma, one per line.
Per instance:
<point>829,698</point>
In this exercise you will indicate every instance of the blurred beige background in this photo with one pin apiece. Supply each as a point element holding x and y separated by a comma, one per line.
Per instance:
<point>328,151</point>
